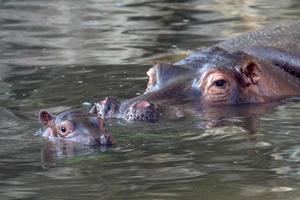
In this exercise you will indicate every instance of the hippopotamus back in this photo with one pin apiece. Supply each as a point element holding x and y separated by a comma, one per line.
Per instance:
<point>283,36</point>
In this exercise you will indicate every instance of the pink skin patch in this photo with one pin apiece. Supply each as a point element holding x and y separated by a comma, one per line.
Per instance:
<point>48,133</point>
<point>103,102</point>
<point>141,105</point>
<point>101,124</point>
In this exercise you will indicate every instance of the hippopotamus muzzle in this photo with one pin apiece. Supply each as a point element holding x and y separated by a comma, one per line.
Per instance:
<point>132,110</point>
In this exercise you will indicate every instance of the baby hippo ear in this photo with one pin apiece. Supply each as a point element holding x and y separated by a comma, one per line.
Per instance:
<point>45,118</point>
<point>250,72</point>
<point>93,110</point>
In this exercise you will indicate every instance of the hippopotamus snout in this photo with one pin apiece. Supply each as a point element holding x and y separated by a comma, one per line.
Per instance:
<point>132,110</point>
<point>142,111</point>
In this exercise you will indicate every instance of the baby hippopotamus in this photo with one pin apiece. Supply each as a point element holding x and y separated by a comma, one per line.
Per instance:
<point>256,67</point>
<point>76,126</point>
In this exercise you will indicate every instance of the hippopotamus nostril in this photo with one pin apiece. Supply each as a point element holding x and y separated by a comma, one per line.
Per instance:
<point>142,105</point>
<point>142,111</point>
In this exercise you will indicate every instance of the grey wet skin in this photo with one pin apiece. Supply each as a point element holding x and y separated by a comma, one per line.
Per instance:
<point>242,70</point>
<point>77,126</point>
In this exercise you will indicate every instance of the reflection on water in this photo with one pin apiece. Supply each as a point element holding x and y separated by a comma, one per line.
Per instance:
<point>57,54</point>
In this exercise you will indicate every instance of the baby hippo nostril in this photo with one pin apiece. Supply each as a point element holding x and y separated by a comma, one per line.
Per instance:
<point>106,139</point>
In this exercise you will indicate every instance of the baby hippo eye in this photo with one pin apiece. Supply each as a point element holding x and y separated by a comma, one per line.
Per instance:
<point>65,128</point>
<point>220,83</point>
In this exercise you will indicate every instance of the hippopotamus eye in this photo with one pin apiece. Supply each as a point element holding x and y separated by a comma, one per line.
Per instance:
<point>63,129</point>
<point>219,83</point>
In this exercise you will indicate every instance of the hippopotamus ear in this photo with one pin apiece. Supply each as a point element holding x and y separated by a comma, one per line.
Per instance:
<point>250,72</point>
<point>248,67</point>
<point>93,110</point>
<point>45,118</point>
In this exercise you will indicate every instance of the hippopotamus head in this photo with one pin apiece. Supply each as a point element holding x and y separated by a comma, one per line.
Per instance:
<point>213,77</point>
<point>75,125</point>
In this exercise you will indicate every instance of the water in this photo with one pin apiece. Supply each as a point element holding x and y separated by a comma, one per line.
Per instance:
<point>58,54</point>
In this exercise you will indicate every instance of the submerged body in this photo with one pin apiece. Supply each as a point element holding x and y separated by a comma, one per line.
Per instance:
<point>256,67</point>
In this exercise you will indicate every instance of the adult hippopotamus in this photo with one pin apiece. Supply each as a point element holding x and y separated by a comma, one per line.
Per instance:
<point>256,67</point>
<point>75,126</point>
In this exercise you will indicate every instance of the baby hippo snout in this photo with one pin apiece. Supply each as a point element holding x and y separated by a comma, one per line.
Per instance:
<point>142,111</point>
